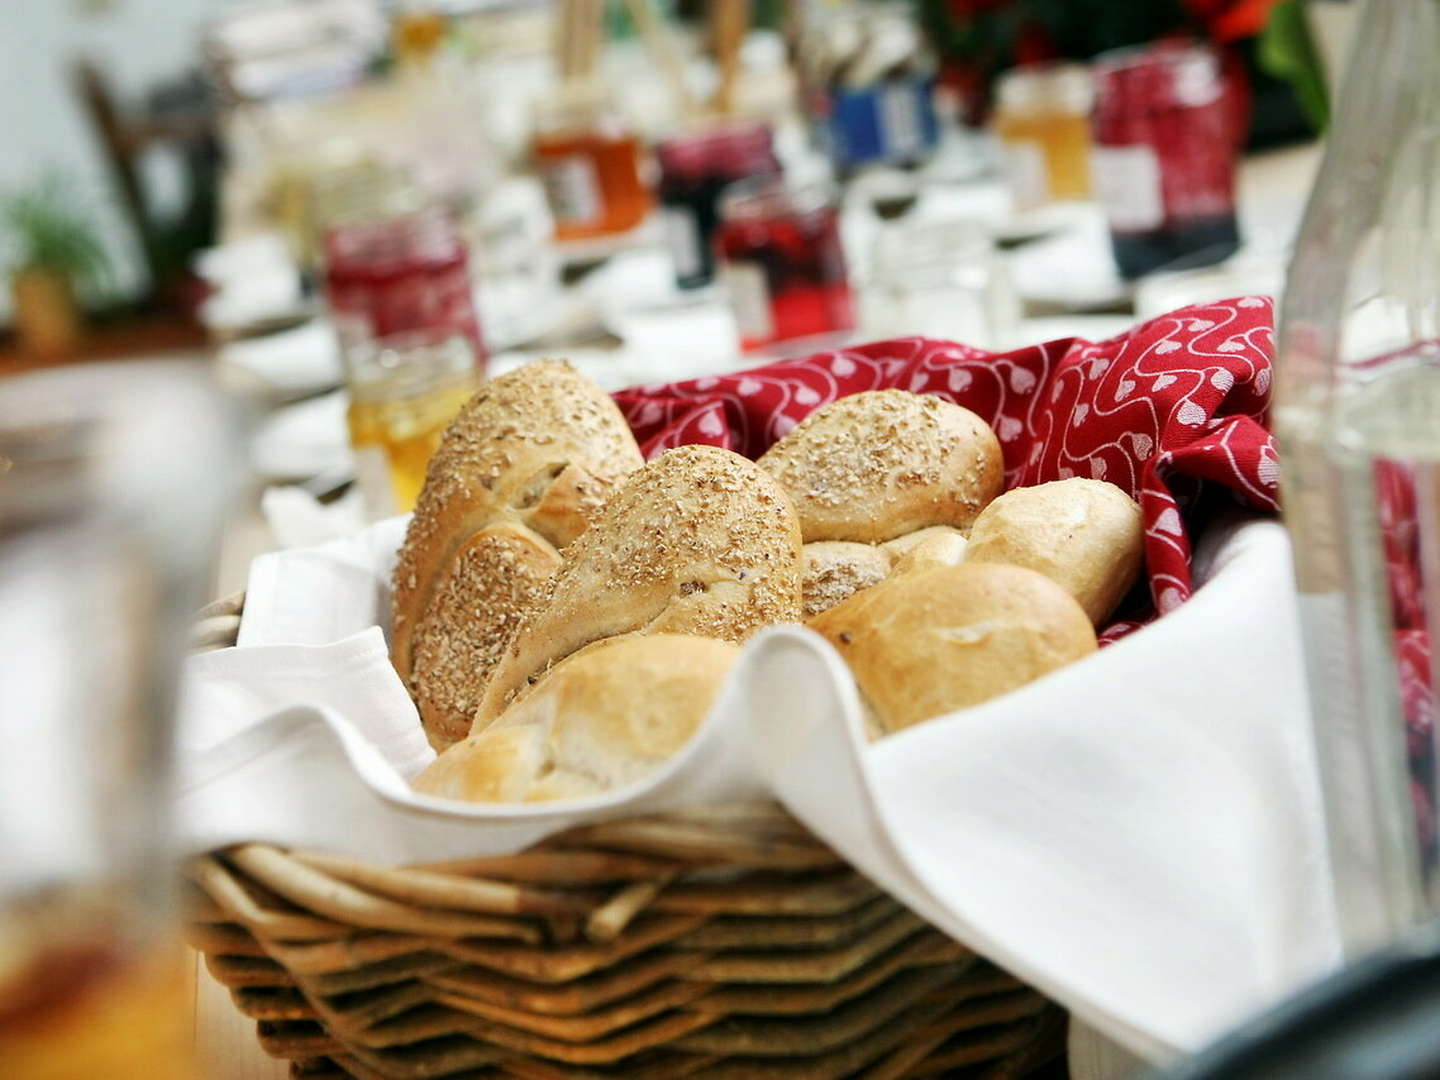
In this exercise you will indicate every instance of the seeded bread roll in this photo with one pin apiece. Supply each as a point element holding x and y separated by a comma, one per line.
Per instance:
<point>699,541</point>
<point>939,545</point>
<point>601,718</point>
<point>518,475</point>
<point>879,464</point>
<point>835,569</point>
<point>1085,535</point>
<point>498,575</point>
<point>927,643</point>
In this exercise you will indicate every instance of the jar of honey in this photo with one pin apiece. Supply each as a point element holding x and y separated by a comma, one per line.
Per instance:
<point>589,162</point>
<point>404,391</point>
<point>1042,120</point>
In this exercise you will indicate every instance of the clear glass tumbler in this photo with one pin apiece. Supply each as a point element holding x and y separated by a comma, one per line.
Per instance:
<point>114,483</point>
<point>1357,412</point>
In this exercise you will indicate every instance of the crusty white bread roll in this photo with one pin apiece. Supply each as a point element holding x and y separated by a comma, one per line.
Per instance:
<point>879,464</point>
<point>924,549</point>
<point>520,472</point>
<point>929,642</point>
<point>1085,535</point>
<point>835,569</point>
<point>601,718</point>
<point>699,541</point>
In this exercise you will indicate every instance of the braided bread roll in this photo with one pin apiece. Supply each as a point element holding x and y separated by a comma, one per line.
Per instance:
<point>699,541</point>
<point>883,463</point>
<point>521,472</point>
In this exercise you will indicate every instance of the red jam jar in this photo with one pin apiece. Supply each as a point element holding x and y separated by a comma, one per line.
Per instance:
<point>1164,156</point>
<point>782,263</point>
<point>695,169</point>
<point>400,275</point>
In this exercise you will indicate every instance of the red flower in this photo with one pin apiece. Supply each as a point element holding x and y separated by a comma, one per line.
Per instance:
<point>963,11</point>
<point>1231,20</point>
<point>1033,45</point>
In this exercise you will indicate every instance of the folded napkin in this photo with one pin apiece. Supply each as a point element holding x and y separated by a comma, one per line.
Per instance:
<point>1138,835</point>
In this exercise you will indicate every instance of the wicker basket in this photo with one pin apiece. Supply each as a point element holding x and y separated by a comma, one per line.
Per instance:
<point>723,942</point>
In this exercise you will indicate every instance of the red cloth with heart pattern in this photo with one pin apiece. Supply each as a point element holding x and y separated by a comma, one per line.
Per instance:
<point>1168,410</point>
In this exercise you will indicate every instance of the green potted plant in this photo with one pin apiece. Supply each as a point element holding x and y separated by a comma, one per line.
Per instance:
<point>56,254</point>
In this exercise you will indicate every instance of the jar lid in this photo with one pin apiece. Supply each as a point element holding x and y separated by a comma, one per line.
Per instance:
<point>1172,72</point>
<point>764,197</point>
<point>735,149</point>
<point>1048,87</point>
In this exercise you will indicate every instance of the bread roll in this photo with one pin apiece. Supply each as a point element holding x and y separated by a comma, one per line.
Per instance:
<point>699,541</point>
<point>498,575</point>
<point>1085,535</point>
<point>602,718</point>
<point>835,569</point>
<point>939,545</point>
<point>933,641</point>
<point>520,472</point>
<point>883,463</point>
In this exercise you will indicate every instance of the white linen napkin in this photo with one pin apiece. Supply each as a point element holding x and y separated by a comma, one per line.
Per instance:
<point>1137,835</point>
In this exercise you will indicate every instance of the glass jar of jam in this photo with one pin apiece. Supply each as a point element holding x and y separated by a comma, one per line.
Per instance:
<point>695,169</point>
<point>589,162</point>
<point>782,263</point>
<point>1164,157</point>
<point>400,275</point>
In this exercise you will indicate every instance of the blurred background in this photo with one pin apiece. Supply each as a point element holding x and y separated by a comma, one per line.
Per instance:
<point>350,211</point>
<point>320,224</point>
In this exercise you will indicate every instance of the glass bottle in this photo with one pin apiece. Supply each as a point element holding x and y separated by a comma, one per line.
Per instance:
<point>1357,412</point>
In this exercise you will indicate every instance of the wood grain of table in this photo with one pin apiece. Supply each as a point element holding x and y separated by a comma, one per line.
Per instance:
<point>225,1041</point>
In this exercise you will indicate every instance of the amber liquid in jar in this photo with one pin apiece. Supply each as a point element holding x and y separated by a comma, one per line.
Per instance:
<point>417,35</point>
<point>590,166</point>
<point>1064,142</point>
<point>404,392</point>
<point>1042,119</point>
<point>406,430</point>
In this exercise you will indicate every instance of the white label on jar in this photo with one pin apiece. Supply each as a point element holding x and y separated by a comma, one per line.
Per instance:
<point>749,300</point>
<point>572,188</point>
<point>682,232</point>
<point>900,119</point>
<point>1127,182</point>
<point>1023,163</point>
